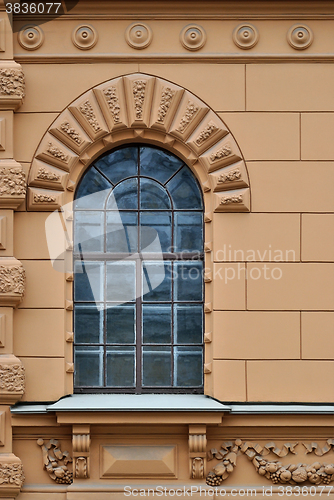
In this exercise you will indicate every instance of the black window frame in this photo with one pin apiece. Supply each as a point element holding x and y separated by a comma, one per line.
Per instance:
<point>138,258</point>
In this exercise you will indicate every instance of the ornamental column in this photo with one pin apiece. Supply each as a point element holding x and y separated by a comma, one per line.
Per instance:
<point>12,275</point>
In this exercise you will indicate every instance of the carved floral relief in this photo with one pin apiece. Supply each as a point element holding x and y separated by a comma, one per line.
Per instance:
<point>12,82</point>
<point>12,181</point>
<point>274,470</point>
<point>12,279</point>
<point>12,378</point>
<point>55,461</point>
<point>11,474</point>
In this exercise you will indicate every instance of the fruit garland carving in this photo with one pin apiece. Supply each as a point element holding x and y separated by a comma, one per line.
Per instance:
<point>274,470</point>
<point>52,458</point>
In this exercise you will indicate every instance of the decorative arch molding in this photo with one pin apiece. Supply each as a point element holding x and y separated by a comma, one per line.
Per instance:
<point>140,108</point>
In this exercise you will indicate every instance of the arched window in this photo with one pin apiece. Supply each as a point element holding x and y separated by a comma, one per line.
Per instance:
<point>138,262</point>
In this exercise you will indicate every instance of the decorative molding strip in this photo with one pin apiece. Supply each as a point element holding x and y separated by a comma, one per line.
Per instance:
<point>273,470</point>
<point>55,461</point>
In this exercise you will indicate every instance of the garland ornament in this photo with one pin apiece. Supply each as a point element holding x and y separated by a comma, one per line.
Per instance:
<point>52,461</point>
<point>274,470</point>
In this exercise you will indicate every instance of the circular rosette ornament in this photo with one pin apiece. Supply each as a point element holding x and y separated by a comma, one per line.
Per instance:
<point>138,35</point>
<point>84,37</point>
<point>30,37</point>
<point>245,36</point>
<point>193,37</point>
<point>300,36</point>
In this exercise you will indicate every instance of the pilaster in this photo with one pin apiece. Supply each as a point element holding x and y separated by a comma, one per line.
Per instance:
<point>12,274</point>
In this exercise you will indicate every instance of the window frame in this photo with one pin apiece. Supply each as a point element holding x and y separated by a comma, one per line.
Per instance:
<point>138,258</point>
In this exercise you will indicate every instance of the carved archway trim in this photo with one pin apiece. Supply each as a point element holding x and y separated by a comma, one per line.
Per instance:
<point>140,108</point>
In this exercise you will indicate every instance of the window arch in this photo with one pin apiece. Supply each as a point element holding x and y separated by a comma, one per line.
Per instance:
<point>138,262</point>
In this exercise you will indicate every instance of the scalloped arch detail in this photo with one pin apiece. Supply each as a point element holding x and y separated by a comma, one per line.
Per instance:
<point>143,109</point>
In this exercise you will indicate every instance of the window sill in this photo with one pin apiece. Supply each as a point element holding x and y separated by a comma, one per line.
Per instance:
<point>130,408</point>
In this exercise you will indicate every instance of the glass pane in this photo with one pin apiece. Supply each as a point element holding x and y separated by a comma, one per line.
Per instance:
<point>158,164</point>
<point>121,280</point>
<point>153,196</point>
<point>122,232</point>
<point>93,190</point>
<point>88,231</point>
<point>119,164</point>
<point>157,324</point>
<point>156,231</point>
<point>124,196</point>
<point>121,366</point>
<point>121,323</point>
<point>88,362</point>
<point>157,366</point>
<point>88,282</point>
<point>188,324</point>
<point>188,366</point>
<point>188,283</point>
<point>156,279</point>
<point>88,324</point>
<point>188,232</point>
<point>184,190</point>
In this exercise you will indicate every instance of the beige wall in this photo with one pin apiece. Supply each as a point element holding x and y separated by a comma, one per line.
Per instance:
<point>269,307</point>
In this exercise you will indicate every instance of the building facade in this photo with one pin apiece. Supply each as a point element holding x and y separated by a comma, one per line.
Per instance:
<point>210,123</point>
